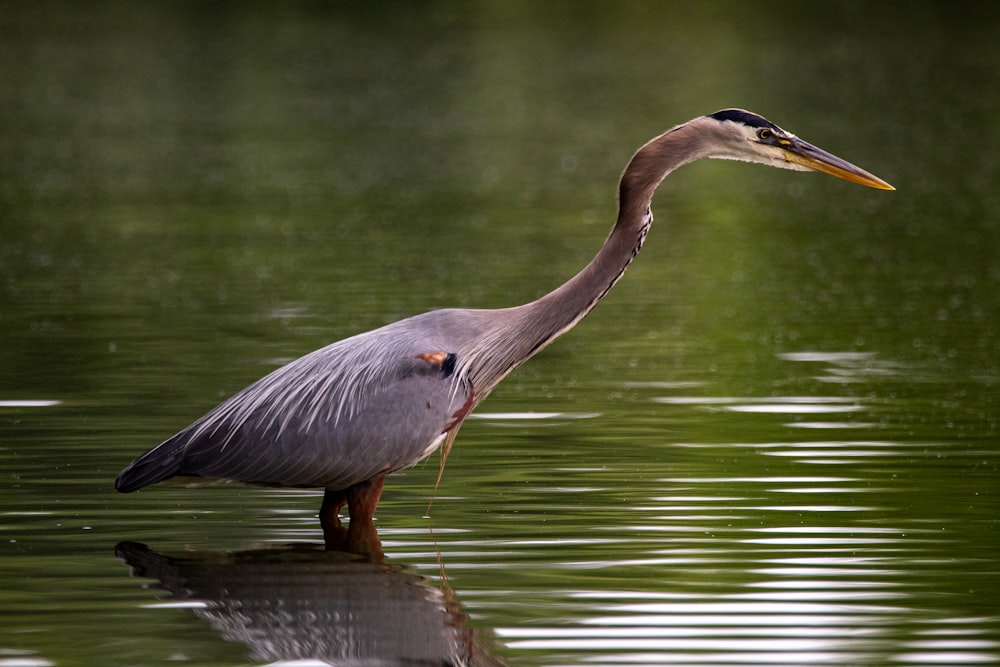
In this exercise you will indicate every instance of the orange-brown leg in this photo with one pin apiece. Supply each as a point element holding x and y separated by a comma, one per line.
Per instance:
<point>362,499</point>
<point>329,518</point>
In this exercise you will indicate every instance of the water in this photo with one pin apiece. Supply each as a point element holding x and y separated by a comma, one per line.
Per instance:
<point>774,443</point>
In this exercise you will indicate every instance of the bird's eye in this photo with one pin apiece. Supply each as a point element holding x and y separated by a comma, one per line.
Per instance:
<point>764,134</point>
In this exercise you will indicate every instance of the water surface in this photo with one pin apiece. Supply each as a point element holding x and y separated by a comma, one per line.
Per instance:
<point>774,443</point>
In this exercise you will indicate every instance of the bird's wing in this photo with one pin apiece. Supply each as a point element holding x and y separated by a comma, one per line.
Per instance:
<point>333,418</point>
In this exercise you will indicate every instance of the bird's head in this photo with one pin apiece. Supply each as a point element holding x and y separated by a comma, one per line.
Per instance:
<point>743,135</point>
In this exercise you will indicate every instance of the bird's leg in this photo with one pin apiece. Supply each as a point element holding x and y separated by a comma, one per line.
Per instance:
<point>329,518</point>
<point>362,499</point>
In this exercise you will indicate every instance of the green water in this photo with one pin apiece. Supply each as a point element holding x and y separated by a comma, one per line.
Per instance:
<point>776,441</point>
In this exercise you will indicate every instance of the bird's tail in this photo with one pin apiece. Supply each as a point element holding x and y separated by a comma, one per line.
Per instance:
<point>160,463</point>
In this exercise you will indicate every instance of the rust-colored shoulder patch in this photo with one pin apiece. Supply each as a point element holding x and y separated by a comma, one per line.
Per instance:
<point>433,358</point>
<point>443,360</point>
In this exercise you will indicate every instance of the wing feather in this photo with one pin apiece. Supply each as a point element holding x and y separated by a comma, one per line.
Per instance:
<point>332,418</point>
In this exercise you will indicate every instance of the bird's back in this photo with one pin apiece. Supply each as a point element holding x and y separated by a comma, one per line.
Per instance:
<point>377,402</point>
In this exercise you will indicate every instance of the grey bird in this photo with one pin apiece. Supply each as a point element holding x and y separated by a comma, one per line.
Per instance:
<point>347,415</point>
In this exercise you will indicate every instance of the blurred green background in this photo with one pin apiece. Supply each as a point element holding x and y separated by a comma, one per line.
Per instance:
<point>194,193</point>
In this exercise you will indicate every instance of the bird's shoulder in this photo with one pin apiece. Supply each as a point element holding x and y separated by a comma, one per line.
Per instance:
<point>420,355</point>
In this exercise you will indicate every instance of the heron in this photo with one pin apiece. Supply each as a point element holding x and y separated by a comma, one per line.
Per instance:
<point>343,417</point>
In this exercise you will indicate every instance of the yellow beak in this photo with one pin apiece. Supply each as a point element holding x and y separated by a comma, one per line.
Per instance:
<point>817,159</point>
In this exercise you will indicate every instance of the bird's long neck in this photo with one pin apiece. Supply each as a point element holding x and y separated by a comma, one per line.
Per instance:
<point>524,330</point>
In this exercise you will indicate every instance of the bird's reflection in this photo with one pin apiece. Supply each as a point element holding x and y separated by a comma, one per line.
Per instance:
<point>305,603</point>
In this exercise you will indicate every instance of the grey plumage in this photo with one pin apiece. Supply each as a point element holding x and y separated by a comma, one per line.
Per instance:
<point>345,415</point>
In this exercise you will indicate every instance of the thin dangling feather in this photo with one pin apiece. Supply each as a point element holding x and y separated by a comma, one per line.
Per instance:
<point>449,440</point>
